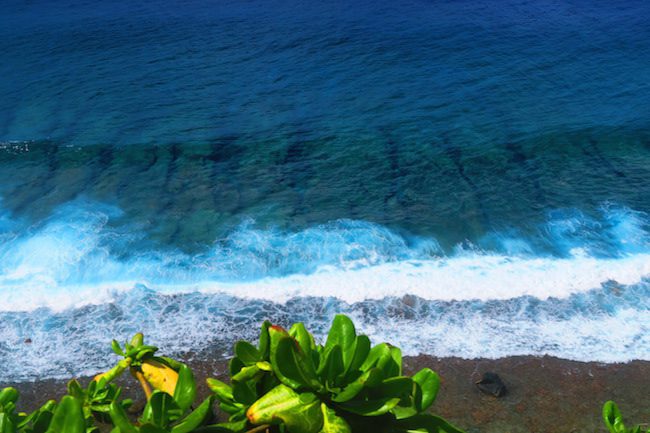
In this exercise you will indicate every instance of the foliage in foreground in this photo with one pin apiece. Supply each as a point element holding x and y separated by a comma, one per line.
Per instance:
<point>285,384</point>
<point>614,420</point>
<point>342,386</point>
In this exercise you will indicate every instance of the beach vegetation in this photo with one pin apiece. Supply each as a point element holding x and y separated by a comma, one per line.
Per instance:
<point>614,420</point>
<point>286,383</point>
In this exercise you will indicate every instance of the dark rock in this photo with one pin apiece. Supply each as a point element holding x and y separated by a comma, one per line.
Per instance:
<point>492,384</point>
<point>28,340</point>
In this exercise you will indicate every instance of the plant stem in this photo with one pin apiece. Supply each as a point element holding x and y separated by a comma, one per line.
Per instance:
<point>143,383</point>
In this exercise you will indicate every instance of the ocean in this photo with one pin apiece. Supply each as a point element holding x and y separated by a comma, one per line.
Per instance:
<point>463,178</point>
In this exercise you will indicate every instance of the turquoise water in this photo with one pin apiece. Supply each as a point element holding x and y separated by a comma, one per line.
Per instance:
<point>463,178</point>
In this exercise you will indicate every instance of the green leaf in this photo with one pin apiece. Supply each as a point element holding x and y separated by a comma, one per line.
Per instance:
<point>160,410</point>
<point>8,395</point>
<point>378,352</point>
<point>235,365</point>
<point>6,426</point>
<point>341,333</point>
<point>137,340</point>
<point>75,390</point>
<point>303,337</point>
<point>613,417</point>
<point>332,366</point>
<point>292,367</point>
<point>264,366</point>
<point>185,390</point>
<point>370,407</point>
<point>117,348</point>
<point>299,412</point>
<point>371,377</point>
<point>247,353</point>
<point>430,423</point>
<point>246,373</point>
<point>400,387</point>
<point>221,390</point>
<point>333,423</point>
<point>361,349</point>
<point>68,417</point>
<point>265,341</point>
<point>244,392</point>
<point>194,419</point>
<point>150,428</point>
<point>429,383</point>
<point>225,427</point>
<point>394,368</point>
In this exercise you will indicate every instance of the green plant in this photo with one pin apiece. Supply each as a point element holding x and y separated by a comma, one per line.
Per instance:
<point>342,386</point>
<point>162,414</point>
<point>614,420</point>
<point>174,391</point>
<point>64,417</point>
<point>96,399</point>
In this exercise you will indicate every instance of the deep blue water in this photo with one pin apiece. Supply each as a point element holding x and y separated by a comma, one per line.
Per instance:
<point>473,173</point>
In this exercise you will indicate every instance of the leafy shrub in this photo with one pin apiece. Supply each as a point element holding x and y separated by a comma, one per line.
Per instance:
<point>342,386</point>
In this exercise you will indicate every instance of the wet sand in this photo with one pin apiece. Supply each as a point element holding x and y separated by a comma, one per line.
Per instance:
<point>544,394</point>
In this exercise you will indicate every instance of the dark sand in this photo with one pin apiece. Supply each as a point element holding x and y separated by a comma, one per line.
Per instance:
<point>545,395</point>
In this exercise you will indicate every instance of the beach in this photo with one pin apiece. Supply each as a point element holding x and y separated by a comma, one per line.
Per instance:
<point>465,180</point>
<point>544,394</point>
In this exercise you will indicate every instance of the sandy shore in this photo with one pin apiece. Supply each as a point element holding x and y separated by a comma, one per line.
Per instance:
<point>545,395</point>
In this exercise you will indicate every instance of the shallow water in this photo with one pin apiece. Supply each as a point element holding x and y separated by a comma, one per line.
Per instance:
<point>473,175</point>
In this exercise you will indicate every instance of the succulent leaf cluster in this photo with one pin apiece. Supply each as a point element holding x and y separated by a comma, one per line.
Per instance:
<point>342,386</point>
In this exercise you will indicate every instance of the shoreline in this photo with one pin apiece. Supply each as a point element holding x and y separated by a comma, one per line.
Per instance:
<point>544,394</point>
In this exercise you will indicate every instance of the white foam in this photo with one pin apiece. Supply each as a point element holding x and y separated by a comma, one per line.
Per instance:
<point>481,277</point>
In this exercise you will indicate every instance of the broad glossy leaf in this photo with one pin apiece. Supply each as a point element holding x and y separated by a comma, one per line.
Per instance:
<point>42,421</point>
<point>380,351</point>
<point>370,407</point>
<point>613,417</point>
<point>185,390</point>
<point>371,377</point>
<point>361,349</point>
<point>235,365</point>
<point>231,408</point>
<point>265,342</point>
<point>332,423</point>
<point>68,417</point>
<point>399,387</point>
<point>299,412</point>
<point>222,391</point>
<point>291,366</point>
<point>429,384</point>
<point>247,353</point>
<point>6,426</point>
<point>195,418</point>
<point>244,392</point>
<point>341,333</point>
<point>396,365</point>
<point>246,373</point>
<point>160,410</point>
<point>303,337</point>
<point>430,423</point>
<point>332,365</point>
<point>8,394</point>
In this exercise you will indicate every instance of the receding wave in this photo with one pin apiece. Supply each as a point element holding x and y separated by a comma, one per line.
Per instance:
<point>577,288</point>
